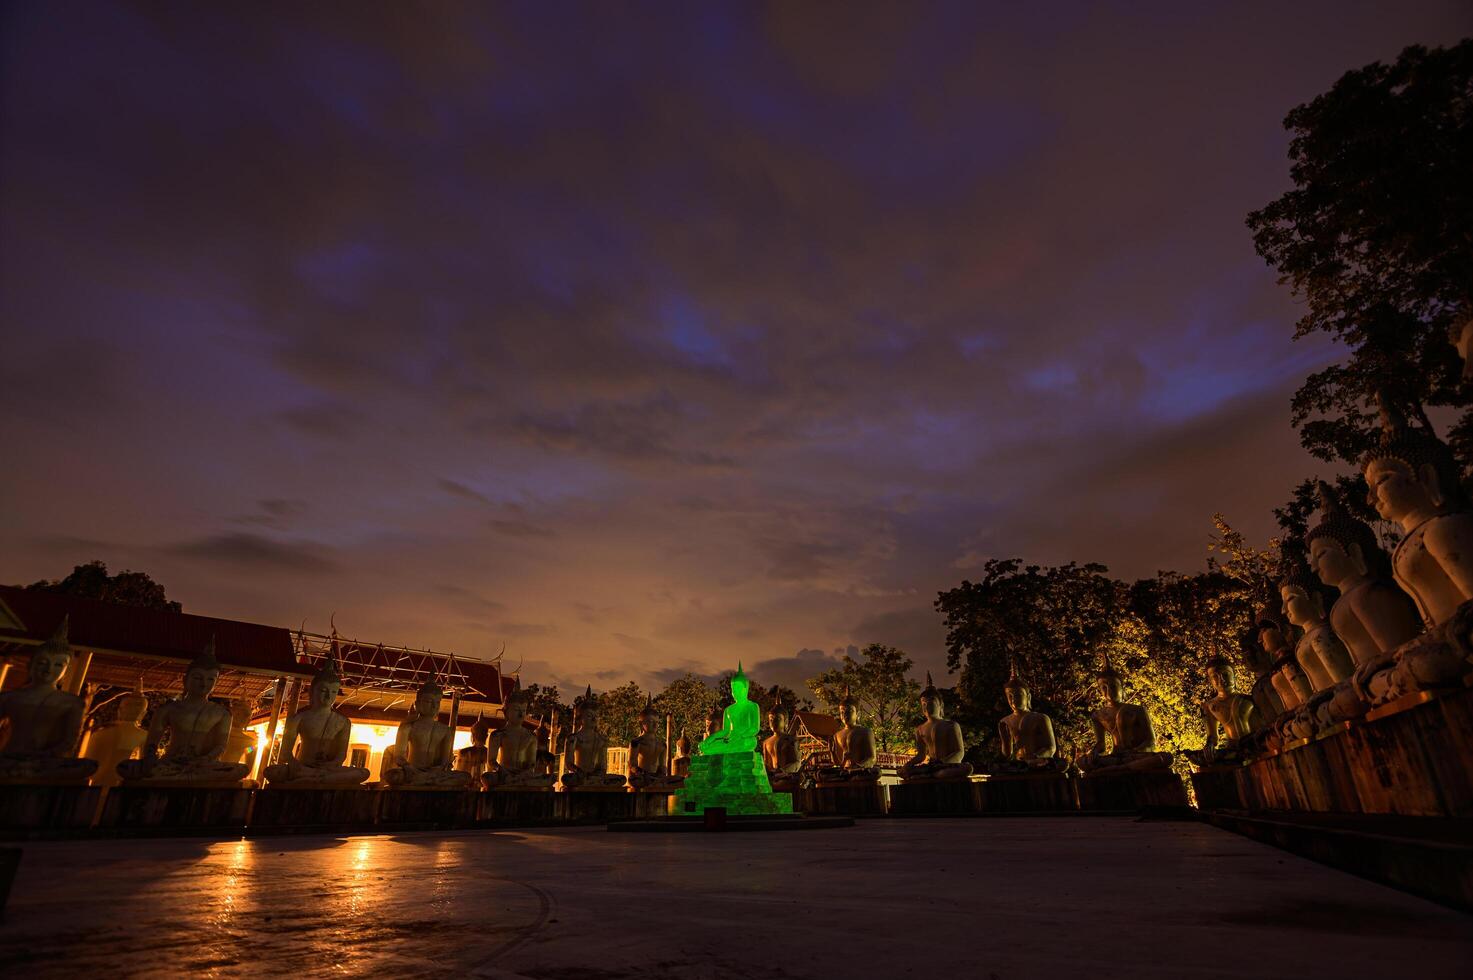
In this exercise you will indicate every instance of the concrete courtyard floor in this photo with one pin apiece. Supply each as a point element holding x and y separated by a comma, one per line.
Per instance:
<point>945,898</point>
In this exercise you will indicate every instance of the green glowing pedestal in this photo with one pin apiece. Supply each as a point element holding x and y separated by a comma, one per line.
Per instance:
<point>734,780</point>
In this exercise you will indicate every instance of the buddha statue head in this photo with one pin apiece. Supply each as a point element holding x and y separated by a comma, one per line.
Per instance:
<point>427,699</point>
<point>480,731</point>
<point>326,686</point>
<point>1411,473</point>
<point>1016,691</point>
<point>682,745</point>
<point>932,704</point>
<point>133,705</point>
<point>51,659</point>
<point>1108,682</point>
<point>585,710</point>
<point>203,673</point>
<point>779,717</point>
<point>1273,632</point>
<point>516,707</point>
<point>1220,676</point>
<point>739,684</point>
<point>240,712</point>
<point>649,717</point>
<point>1343,549</point>
<point>1303,593</point>
<point>848,708</point>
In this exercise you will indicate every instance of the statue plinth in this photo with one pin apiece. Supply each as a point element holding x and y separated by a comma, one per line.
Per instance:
<point>176,806</point>
<point>47,807</point>
<point>1130,790</point>
<point>736,781</point>
<point>852,799</point>
<point>520,805</point>
<point>936,796</point>
<point>599,804</point>
<point>433,806</point>
<point>315,807</point>
<point>1042,791</point>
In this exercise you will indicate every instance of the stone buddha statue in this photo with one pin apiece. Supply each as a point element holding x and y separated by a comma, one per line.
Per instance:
<point>511,753</point>
<point>1320,653</point>
<point>120,739</point>
<point>549,754</point>
<point>1229,717</point>
<point>647,754</point>
<point>1266,697</point>
<point>241,746</point>
<point>44,722</point>
<point>472,758</point>
<point>1025,736</point>
<point>940,745</point>
<point>315,741</point>
<point>1290,685</point>
<point>586,756</point>
<point>422,747</point>
<point>1128,730</point>
<point>198,732</point>
<point>780,750</point>
<point>852,748</point>
<point>680,762</point>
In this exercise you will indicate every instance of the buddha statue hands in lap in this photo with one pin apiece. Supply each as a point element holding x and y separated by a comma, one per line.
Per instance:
<point>780,750</point>
<point>511,753</point>
<point>852,748</point>
<point>1229,717</point>
<point>422,747</point>
<point>315,740</point>
<point>198,733</point>
<point>43,722</point>
<point>940,745</point>
<point>1025,736</point>
<point>1127,726</point>
<point>586,756</point>
<point>647,754</point>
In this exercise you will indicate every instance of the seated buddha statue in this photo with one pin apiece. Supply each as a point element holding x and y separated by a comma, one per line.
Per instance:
<point>550,753</point>
<point>1290,685</point>
<point>315,741</point>
<point>711,727</point>
<point>422,747</point>
<point>241,746</point>
<point>120,739</point>
<point>1128,730</point>
<point>740,722</point>
<point>1320,653</point>
<point>1229,718</point>
<point>1415,482</point>
<point>44,722</point>
<point>472,758</point>
<point>680,762</point>
<point>1271,641</point>
<point>940,745</point>
<point>511,753</point>
<point>647,754</point>
<point>586,756</point>
<point>780,750</point>
<point>198,732</point>
<point>1026,736</point>
<point>851,748</point>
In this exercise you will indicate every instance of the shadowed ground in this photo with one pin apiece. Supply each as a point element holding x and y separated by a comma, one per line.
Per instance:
<point>1003,898</point>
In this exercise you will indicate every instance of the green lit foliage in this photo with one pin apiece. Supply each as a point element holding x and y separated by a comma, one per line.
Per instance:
<point>889,701</point>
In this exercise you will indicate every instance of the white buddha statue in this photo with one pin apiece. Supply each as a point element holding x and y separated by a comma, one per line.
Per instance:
<point>44,722</point>
<point>940,745</point>
<point>315,742</point>
<point>423,746</point>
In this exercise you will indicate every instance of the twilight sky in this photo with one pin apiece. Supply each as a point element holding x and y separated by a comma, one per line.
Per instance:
<point>643,337</point>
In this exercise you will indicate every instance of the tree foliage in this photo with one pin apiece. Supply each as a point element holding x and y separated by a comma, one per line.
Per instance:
<point>618,711</point>
<point>689,699</point>
<point>1376,237</point>
<point>127,588</point>
<point>888,700</point>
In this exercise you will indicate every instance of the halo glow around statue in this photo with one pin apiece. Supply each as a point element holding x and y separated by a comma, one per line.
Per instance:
<point>729,771</point>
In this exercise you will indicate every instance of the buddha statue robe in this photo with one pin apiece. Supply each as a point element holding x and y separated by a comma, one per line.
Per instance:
<point>315,741</point>
<point>198,733</point>
<point>940,745</point>
<point>44,722</point>
<point>1026,737</point>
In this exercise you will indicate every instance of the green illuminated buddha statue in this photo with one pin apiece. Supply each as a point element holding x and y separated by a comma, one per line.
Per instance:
<point>647,754</point>
<point>740,722</point>
<point>852,748</point>
<point>44,722</point>
<point>729,773</point>
<point>780,750</point>
<point>198,732</point>
<point>423,747</point>
<point>586,757</point>
<point>1126,728</point>
<point>940,745</point>
<point>511,753</point>
<point>315,742</point>
<point>1026,736</point>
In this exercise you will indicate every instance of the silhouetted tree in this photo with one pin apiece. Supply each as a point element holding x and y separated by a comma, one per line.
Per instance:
<point>127,588</point>
<point>888,700</point>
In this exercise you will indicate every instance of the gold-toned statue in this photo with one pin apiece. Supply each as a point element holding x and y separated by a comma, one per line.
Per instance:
<point>1026,736</point>
<point>198,732</point>
<point>940,746</point>
<point>586,758</point>
<point>715,718</point>
<point>241,746</point>
<point>315,742</point>
<point>1229,717</point>
<point>780,749</point>
<point>647,754</point>
<point>680,762</point>
<point>852,748</point>
<point>120,739</point>
<point>511,753</point>
<point>472,758</point>
<point>422,748</point>
<point>44,722</point>
<point>1126,727</point>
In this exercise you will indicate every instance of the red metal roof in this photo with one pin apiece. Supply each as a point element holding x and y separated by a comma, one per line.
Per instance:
<point>818,725</point>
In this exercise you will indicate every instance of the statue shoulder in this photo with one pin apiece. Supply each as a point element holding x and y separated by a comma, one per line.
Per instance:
<point>1450,532</point>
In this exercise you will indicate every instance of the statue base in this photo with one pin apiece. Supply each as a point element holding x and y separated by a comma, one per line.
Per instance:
<point>46,807</point>
<point>1130,791</point>
<point>441,808</point>
<point>315,808</point>
<point>650,803</point>
<point>171,807</point>
<point>1216,788</point>
<point>846,799</point>
<point>1027,792</point>
<point>734,781</point>
<point>518,805</point>
<point>930,797</point>
<point>598,806</point>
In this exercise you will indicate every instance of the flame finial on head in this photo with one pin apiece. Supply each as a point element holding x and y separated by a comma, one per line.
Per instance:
<point>57,642</point>
<point>1014,682</point>
<point>206,659</point>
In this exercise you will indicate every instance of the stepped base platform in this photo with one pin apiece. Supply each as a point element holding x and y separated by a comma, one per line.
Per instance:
<point>735,783</point>
<point>1427,856</point>
<point>936,797</point>
<point>842,799</point>
<point>1043,792</point>
<point>43,808</point>
<point>1130,792</point>
<point>303,809</point>
<point>733,823</point>
<point>166,808</point>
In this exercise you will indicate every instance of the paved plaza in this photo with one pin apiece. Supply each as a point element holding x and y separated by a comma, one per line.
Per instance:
<point>953,898</point>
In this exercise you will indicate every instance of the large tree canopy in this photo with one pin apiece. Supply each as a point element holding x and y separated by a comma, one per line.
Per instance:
<point>888,701</point>
<point>91,581</point>
<point>1376,237</point>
